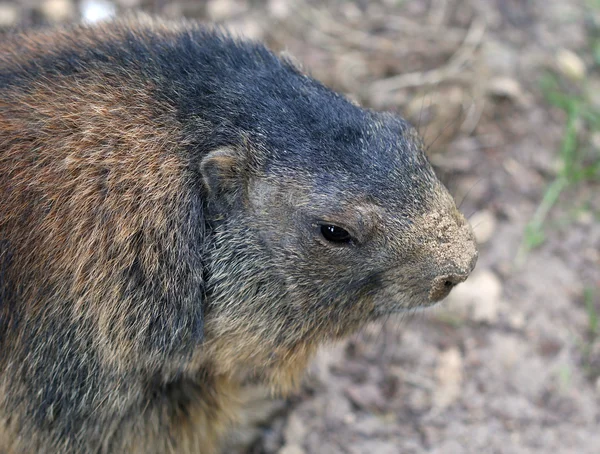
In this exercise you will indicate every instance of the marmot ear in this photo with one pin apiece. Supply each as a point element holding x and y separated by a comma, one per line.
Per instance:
<point>221,173</point>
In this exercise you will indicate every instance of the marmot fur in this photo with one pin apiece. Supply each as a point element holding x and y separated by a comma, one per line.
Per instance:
<point>182,212</point>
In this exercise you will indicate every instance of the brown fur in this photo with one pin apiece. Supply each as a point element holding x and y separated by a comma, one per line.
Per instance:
<point>96,232</point>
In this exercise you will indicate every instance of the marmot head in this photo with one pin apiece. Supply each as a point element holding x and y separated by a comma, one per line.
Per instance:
<point>327,216</point>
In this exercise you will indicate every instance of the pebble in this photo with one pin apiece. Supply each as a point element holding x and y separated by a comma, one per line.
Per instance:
<point>247,27</point>
<point>58,10</point>
<point>97,10</point>
<point>505,87</point>
<point>585,217</point>
<point>517,320</point>
<point>291,449</point>
<point>9,14</point>
<point>219,10</point>
<point>484,225</point>
<point>449,377</point>
<point>280,9</point>
<point>326,357</point>
<point>295,430</point>
<point>366,396</point>
<point>478,298</point>
<point>570,64</point>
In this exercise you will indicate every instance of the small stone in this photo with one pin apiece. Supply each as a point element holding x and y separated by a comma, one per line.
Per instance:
<point>295,430</point>
<point>570,64</point>
<point>350,418</point>
<point>9,14</point>
<point>516,320</point>
<point>58,10</point>
<point>280,9</point>
<point>505,87</point>
<point>291,449</point>
<point>367,396</point>
<point>478,298</point>
<point>449,377</point>
<point>97,10</point>
<point>484,225</point>
<point>247,27</point>
<point>321,364</point>
<point>351,67</point>
<point>585,217</point>
<point>219,10</point>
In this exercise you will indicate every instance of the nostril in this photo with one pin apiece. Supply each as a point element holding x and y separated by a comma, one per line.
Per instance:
<point>442,285</point>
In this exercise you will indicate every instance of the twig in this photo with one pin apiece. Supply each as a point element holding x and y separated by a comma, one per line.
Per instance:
<point>437,75</point>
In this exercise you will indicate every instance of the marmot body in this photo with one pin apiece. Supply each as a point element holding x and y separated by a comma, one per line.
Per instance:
<point>182,212</point>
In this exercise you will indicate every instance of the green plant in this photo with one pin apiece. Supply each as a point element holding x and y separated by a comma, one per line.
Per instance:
<point>588,344</point>
<point>578,161</point>
<point>593,328</point>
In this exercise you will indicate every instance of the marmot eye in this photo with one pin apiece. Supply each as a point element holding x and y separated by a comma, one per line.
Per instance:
<point>335,234</point>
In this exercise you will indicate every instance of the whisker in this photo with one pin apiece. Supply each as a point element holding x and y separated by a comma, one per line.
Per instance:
<point>480,224</point>
<point>471,215</point>
<point>445,128</point>
<point>469,191</point>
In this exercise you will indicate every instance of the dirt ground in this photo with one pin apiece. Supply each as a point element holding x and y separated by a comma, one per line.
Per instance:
<point>510,363</point>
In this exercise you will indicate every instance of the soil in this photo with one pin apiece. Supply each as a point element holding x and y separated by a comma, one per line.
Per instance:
<point>510,362</point>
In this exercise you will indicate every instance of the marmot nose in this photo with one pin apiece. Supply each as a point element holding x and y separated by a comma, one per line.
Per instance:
<point>441,285</point>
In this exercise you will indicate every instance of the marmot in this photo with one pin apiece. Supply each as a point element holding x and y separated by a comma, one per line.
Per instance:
<point>181,212</point>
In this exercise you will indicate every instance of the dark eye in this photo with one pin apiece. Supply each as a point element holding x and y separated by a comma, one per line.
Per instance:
<point>335,234</point>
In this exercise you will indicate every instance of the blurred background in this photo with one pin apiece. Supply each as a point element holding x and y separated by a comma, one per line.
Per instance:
<point>507,96</point>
